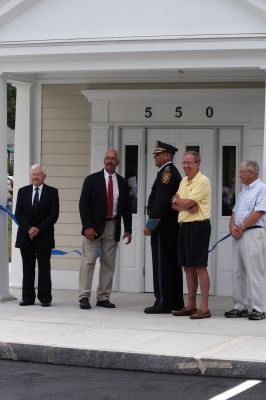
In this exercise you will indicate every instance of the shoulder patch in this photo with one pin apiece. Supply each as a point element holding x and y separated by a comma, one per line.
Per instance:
<point>166,176</point>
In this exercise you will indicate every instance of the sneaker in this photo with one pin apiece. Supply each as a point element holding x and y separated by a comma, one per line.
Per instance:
<point>256,315</point>
<point>235,313</point>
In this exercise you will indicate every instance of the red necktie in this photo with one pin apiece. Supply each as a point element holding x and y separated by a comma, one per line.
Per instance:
<point>110,198</point>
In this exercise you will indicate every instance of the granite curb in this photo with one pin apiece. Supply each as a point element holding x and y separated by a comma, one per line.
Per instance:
<point>132,361</point>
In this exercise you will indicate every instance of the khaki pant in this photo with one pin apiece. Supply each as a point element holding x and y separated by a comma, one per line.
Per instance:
<point>249,270</point>
<point>107,246</point>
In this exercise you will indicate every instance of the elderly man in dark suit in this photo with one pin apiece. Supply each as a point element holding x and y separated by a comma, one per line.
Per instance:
<point>104,201</point>
<point>37,211</point>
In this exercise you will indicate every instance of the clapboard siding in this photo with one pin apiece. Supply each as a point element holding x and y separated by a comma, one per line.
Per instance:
<point>65,182</point>
<point>68,229</point>
<point>69,205</point>
<point>57,136</point>
<point>65,101</point>
<point>66,171</point>
<point>66,157</point>
<point>65,124</point>
<point>65,148</point>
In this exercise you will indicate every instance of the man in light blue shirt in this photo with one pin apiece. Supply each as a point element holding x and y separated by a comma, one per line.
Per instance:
<point>247,227</point>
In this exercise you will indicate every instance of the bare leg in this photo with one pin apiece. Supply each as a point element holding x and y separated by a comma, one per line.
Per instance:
<point>204,282</point>
<point>192,285</point>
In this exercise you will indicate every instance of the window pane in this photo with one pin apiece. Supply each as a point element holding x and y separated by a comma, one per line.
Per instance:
<point>228,179</point>
<point>193,148</point>
<point>131,174</point>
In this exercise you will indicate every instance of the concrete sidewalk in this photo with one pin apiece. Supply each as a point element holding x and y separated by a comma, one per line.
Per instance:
<point>126,338</point>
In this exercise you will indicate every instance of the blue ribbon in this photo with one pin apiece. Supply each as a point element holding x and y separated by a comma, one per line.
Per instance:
<point>219,241</point>
<point>7,210</point>
<point>55,252</point>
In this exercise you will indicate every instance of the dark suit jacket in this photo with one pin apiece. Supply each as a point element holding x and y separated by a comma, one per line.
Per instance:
<point>159,206</point>
<point>43,217</point>
<point>93,205</point>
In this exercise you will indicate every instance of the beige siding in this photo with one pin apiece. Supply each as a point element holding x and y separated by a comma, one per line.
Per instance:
<point>66,140</point>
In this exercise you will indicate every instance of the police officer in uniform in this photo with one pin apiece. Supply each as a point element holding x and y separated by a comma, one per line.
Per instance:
<point>163,227</point>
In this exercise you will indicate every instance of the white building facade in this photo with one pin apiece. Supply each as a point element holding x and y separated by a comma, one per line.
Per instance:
<point>122,74</point>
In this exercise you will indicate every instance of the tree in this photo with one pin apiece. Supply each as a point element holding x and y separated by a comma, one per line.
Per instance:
<point>11,106</point>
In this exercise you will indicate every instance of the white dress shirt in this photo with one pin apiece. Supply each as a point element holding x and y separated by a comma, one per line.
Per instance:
<point>115,190</point>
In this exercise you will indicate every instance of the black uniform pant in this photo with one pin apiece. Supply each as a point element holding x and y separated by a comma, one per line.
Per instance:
<point>167,276</point>
<point>43,256</point>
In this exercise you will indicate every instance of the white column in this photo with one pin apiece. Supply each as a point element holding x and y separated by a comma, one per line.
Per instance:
<point>22,163</point>
<point>99,144</point>
<point>4,268</point>
<point>36,123</point>
<point>264,140</point>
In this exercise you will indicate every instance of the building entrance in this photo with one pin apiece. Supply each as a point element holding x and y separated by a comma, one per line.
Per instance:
<point>200,140</point>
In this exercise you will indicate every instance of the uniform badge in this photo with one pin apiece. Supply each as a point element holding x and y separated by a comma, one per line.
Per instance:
<point>166,176</point>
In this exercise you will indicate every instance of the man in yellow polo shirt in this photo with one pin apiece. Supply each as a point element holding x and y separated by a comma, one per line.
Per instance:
<point>193,201</point>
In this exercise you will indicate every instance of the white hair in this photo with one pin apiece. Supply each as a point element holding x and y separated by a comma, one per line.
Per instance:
<point>33,167</point>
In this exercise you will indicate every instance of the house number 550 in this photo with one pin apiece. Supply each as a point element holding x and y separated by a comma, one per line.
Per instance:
<point>179,112</point>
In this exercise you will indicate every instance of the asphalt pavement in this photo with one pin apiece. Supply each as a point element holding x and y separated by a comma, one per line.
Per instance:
<point>61,382</point>
<point>126,338</point>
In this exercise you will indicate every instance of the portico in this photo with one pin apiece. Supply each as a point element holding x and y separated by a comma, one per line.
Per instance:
<point>119,87</point>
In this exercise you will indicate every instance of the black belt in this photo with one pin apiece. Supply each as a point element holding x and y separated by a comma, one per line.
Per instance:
<point>195,222</point>
<point>253,227</point>
<point>110,219</point>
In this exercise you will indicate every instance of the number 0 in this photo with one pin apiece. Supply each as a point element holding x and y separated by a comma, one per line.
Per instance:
<point>209,112</point>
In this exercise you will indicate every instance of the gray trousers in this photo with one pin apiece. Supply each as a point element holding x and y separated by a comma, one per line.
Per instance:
<point>107,246</point>
<point>249,270</point>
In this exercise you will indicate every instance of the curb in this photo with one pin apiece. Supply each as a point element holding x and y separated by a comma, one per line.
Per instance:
<point>131,361</point>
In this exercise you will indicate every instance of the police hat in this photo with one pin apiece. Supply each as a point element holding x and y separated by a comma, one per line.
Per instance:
<point>161,147</point>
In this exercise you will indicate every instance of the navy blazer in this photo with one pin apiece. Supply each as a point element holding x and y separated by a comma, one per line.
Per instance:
<point>43,217</point>
<point>93,205</point>
<point>159,206</point>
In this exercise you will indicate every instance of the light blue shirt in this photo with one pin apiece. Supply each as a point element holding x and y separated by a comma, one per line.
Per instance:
<point>251,198</point>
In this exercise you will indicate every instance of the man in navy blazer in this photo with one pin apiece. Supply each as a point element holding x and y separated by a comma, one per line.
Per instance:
<point>37,211</point>
<point>102,230</point>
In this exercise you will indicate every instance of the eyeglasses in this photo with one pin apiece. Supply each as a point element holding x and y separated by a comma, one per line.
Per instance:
<point>189,163</point>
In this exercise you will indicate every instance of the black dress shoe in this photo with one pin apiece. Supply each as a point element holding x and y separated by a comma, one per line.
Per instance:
<point>157,310</point>
<point>45,304</point>
<point>26,303</point>
<point>84,303</point>
<point>105,304</point>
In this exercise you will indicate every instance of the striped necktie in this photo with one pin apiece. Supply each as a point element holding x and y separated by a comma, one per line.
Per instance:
<point>36,198</point>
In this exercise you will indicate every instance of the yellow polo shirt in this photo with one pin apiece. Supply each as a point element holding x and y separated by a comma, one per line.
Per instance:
<point>199,190</point>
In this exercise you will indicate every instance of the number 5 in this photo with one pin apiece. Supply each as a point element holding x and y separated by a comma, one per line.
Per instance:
<point>148,112</point>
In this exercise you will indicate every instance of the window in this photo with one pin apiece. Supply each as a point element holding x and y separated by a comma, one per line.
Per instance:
<point>228,179</point>
<point>193,148</point>
<point>131,174</point>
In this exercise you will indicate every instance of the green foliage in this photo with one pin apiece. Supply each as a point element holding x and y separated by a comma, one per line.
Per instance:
<point>11,106</point>
<point>10,168</point>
